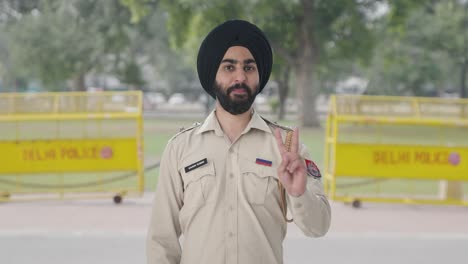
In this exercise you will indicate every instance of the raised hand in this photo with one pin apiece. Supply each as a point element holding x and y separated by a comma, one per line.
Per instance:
<point>292,170</point>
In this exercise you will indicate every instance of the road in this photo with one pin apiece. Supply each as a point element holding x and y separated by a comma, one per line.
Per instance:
<point>96,231</point>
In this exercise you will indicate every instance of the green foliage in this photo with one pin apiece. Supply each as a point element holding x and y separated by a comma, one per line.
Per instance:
<point>274,104</point>
<point>189,21</point>
<point>171,71</point>
<point>10,10</point>
<point>65,39</point>
<point>62,40</point>
<point>138,8</point>
<point>52,46</point>
<point>442,29</point>
<point>338,25</point>
<point>330,30</point>
<point>131,74</point>
<point>420,57</point>
<point>416,47</point>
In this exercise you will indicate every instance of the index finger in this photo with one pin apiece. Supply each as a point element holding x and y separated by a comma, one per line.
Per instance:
<point>295,141</point>
<point>279,141</point>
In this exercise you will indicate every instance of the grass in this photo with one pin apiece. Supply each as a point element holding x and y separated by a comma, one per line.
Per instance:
<point>158,131</point>
<point>390,187</point>
<point>403,134</point>
<point>157,134</point>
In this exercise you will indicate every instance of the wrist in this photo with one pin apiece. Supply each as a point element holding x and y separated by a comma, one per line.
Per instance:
<point>296,193</point>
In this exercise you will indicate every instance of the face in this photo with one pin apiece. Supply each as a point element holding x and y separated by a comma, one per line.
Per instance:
<point>237,80</point>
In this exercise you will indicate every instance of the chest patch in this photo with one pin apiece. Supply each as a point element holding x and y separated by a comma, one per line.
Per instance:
<point>312,169</point>
<point>263,162</point>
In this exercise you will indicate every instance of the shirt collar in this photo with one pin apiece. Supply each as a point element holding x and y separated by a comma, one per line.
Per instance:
<point>257,122</point>
<point>211,123</point>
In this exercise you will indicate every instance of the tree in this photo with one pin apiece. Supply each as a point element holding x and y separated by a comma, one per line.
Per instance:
<point>300,31</point>
<point>12,9</point>
<point>139,8</point>
<point>444,28</point>
<point>418,55</point>
<point>65,40</point>
<point>13,79</point>
<point>401,67</point>
<point>282,73</point>
<point>170,68</point>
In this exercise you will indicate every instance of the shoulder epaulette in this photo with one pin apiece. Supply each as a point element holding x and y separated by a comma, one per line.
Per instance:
<point>183,130</point>
<point>277,125</point>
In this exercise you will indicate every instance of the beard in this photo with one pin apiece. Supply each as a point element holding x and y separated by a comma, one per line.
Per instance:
<point>235,104</point>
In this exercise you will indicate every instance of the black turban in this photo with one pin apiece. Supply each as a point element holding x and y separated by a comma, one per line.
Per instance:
<point>220,39</point>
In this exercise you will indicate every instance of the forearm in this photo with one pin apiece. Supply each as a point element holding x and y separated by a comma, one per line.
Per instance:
<point>311,211</point>
<point>162,245</point>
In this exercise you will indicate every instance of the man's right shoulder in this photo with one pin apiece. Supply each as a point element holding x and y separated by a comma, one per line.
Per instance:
<point>184,130</point>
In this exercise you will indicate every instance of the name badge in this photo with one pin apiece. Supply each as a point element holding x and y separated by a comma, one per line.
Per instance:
<point>195,165</point>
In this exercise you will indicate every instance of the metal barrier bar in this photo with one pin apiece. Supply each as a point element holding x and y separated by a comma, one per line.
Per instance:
<point>74,110</point>
<point>373,116</point>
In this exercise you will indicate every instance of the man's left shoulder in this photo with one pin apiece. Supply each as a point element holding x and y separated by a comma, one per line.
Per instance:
<point>274,124</point>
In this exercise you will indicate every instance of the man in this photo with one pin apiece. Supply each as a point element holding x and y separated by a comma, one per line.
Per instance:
<point>218,182</point>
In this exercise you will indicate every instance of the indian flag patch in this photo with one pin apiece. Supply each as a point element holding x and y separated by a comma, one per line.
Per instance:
<point>263,162</point>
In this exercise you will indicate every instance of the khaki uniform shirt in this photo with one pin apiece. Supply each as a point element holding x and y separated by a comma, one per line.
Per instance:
<point>226,206</point>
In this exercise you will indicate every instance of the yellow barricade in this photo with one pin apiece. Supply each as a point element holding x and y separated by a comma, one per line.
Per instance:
<point>71,145</point>
<point>397,149</point>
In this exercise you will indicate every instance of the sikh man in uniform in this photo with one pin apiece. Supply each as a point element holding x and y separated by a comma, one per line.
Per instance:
<point>218,181</point>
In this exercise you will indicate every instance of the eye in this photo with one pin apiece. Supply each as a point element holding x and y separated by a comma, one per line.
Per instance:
<point>249,68</point>
<point>229,67</point>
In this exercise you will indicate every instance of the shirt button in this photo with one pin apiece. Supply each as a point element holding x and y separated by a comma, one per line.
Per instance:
<point>231,175</point>
<point>297,205</point>
<point>231,234</point>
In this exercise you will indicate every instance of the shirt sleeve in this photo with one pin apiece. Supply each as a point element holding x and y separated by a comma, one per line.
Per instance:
<point>162,245</point>
<point>311,211</point>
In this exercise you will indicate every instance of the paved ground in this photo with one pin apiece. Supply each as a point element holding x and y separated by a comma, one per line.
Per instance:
<point>97,231</point>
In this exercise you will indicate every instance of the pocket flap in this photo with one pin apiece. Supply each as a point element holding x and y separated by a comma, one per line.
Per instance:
<point>198,173</point>
<point>259,170</point>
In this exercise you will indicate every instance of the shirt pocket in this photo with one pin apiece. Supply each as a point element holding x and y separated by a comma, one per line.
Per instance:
<point>258,182</point>
<point>198,185</point>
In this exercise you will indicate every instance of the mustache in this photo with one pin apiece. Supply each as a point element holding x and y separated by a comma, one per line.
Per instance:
<point>242,86</point>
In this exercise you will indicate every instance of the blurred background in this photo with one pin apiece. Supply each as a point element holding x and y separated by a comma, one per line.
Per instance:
<point>373,47</point>
<point>410,48</point>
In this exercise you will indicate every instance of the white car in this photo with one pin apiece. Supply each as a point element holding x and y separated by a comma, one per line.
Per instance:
<point>261,99</point>
<point>176,98</point>
<point>156,98</point>
<point>153,100</point>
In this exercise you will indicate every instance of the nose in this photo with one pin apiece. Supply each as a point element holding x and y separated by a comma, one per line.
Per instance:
<point>240,76</point>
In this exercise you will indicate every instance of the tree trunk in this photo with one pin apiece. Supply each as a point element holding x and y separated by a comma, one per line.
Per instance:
<point>283,91</point>
<point>79,83</point>
<point>464,69</point>
<point>17,83</point>
<point>307,57</point>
